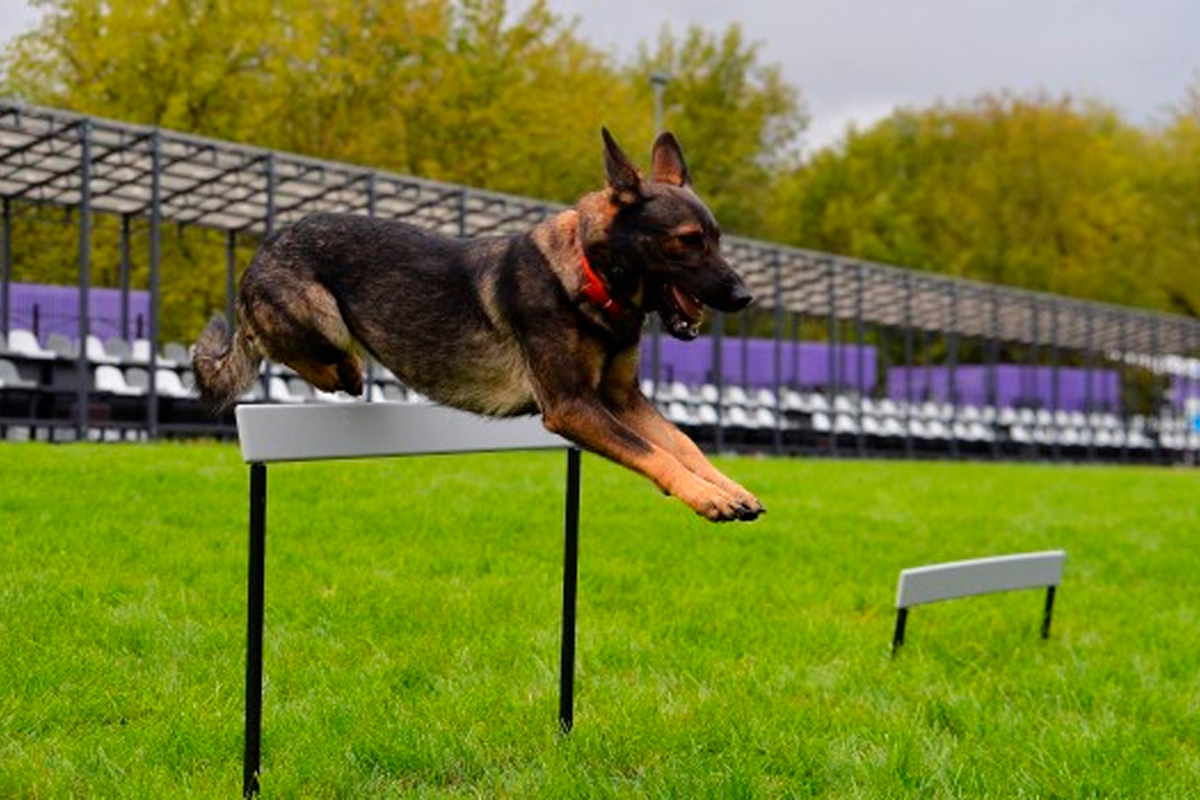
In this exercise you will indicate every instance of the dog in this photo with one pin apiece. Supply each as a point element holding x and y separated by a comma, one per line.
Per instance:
<point>547,321</point>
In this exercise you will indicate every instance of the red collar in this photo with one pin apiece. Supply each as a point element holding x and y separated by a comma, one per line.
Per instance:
<point>595,290</point>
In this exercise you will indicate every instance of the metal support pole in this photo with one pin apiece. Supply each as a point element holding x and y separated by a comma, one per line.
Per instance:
<point>952,369</point>
<point>927,393</point>
<point>252,759</point>
<point>566,694</point>
<point>1155,407</point>
<point>993,358</point>
<point>84,374</point>
<point>123,268</point>
<point>796,340</point>
<point>832,358</point>
<point>718,336</point>
<point>155,275</point>
<point>1089,366</point>
<point>5,266</point>
<point>1121,398</point>
<point>658,84</point>
<point>777,366</point>
<point>883,335</point>
<point>1032,386</point>
<point>655,357</point>
<point>908,366</point>
<point>860,365</point>
<point>746,323</point>
<point>1056,399</point>
<point>898,633</point>
<point>1048,611</point>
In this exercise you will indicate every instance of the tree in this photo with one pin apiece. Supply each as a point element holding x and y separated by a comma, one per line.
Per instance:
<point>515,108</point>
<point>187,64</point>
<point>1035,192</point>
<point>1175,206</point>
<point>738,119</point>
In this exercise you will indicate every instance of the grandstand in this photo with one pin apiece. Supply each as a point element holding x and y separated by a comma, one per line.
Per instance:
<point>837,355</point>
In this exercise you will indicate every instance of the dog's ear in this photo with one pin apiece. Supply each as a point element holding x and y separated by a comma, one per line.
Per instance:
<point>623,177</point>
<point>668,164</point>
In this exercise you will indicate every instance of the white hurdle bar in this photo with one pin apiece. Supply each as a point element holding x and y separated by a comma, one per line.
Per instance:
<point>951,580</point>
<point>291,433</point>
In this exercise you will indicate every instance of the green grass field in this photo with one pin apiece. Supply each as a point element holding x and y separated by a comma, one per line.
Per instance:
<point>413,623</point>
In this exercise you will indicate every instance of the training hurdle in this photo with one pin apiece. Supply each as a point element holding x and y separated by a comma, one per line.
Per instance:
<point>954,579</point>
<point>277,433</point>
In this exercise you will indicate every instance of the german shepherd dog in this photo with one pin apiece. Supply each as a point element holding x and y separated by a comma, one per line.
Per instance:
<point>545,322</point>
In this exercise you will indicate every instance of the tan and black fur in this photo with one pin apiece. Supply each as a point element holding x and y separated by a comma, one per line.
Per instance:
<point>504,325</point>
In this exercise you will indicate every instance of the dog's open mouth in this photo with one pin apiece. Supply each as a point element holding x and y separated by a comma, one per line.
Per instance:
<point>681,313</point>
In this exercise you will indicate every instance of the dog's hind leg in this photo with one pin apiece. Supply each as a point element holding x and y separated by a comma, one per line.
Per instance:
<point>300,325</point>
<point>345,375</point>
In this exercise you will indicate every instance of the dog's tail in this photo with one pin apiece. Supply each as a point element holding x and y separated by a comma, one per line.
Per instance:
<point>226,365</point>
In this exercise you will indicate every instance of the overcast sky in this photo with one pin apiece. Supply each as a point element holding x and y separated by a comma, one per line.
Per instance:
<point>856,60</point>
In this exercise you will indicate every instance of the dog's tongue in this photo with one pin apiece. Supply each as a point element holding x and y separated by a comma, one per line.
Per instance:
<point>688,313</point>
<point>688,306</point>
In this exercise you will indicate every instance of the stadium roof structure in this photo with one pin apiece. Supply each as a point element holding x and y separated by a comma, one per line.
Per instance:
<point>50,156</point>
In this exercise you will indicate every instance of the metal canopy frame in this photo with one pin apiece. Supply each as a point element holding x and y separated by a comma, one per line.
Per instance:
<point>221,185</point>
<point>50,156</point>
<point>820,284</point>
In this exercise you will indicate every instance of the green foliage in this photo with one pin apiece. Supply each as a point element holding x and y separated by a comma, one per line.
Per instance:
<point>1045,194</point>
<point>412,631</point>
<point>1174,199</point>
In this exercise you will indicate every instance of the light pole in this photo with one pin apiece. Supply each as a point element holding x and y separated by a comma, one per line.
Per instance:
<point>658,82</point>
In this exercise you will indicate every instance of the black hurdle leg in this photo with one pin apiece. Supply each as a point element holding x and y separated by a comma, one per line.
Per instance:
<point>1048,611</point>
<point>254,630</point>
<point>898,634</point>
<point>566,686</point>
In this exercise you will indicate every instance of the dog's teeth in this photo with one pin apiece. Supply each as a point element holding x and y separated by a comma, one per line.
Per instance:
<point>685,328</point>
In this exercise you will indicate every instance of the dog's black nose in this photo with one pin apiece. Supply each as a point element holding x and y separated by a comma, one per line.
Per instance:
<point>737,298</point>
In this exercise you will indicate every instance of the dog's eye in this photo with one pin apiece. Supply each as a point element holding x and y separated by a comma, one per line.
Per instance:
<point>692,241</point>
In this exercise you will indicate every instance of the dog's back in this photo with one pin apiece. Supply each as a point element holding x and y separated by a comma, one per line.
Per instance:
<point>426,305</point>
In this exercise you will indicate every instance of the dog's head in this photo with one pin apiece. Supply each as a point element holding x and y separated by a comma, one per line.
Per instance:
<point>662,236</point>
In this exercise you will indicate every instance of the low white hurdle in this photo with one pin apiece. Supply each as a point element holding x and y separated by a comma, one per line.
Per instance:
<point>951,580</point>
<point>278,433</point>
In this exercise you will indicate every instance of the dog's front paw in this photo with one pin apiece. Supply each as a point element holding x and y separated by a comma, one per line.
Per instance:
<point>721,506</point>
<point>749,506</point>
